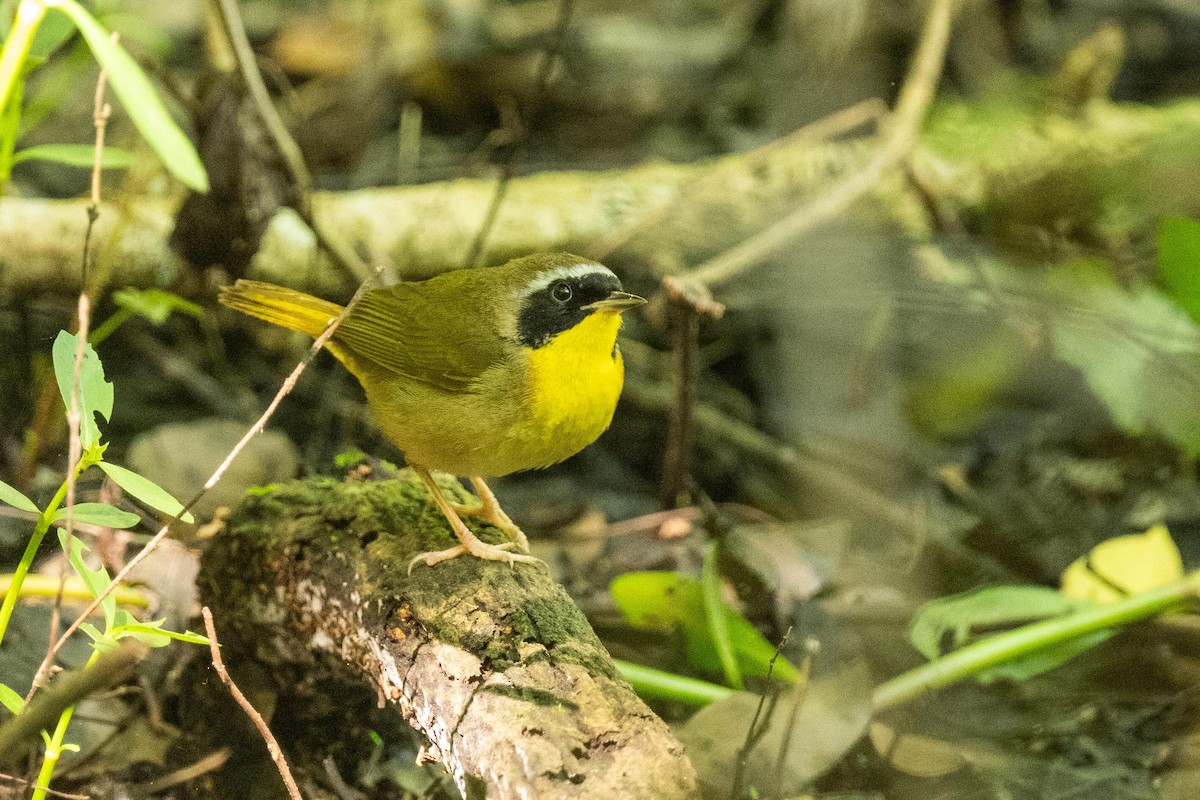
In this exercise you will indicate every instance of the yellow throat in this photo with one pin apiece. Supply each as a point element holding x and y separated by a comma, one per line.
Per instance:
<point>575,380</point>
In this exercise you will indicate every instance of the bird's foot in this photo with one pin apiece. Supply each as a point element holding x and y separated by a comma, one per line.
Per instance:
<point>492,514</point>
<point>477,548</point>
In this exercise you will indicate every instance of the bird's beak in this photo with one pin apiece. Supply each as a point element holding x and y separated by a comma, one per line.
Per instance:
<point>616,302</point>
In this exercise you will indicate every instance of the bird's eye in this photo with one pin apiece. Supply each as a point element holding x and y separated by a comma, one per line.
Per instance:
<point>561,292</point>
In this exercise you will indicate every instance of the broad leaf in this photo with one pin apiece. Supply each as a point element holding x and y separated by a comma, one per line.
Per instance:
<point>96,580</point>
<point>1179,262</point>
<point>665,601</point>
<point>15,499</point>
<point>793,745</point>
<point>74,155</point>
<point>1123,566</point>
<point>95,392</point>
<point>1138,350</point>
<point>145,490</point>
<point>140,100</point>
<point>99,514</point>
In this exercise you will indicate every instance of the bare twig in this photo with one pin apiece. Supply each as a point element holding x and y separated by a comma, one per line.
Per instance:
<point>685,356</point>
<point>755,732</point>
<point>51,792</point>
<point>799,694</point>
<point>272,745</point>
<point>333,246</point>
<point>897,141</point>
<point>101,111</point>
<point>210,763</point>
<point>100,114</point>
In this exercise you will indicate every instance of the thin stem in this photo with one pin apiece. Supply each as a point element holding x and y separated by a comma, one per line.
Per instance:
<point>1004,647</point>
<point>35,541</point>
<point>37,585</point>
<point>272,745</point>
<point>109,326</point>
<point>10,124</point>
<point>54,747</point>
<point>657,684</point>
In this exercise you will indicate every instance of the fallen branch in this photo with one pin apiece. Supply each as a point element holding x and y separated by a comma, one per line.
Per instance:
<point>495,666</point>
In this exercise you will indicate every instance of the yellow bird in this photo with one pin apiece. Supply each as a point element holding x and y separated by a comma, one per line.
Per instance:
<point>477,372</point>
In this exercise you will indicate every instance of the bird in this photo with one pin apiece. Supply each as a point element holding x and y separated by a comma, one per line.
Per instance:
<point>475,372</point>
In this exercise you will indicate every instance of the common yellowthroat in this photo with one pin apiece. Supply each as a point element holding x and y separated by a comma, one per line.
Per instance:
<point>477,372</point>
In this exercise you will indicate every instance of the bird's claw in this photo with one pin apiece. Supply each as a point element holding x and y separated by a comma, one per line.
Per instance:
<point>488,552</point>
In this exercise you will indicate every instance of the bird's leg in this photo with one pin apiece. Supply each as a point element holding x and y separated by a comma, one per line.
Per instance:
<point>469,542</point>
<point>489,510</point>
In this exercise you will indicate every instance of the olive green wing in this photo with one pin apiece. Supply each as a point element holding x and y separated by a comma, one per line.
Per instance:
<point>427,331</point>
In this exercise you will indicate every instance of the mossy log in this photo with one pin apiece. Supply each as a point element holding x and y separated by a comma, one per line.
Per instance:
<point>495,665</point>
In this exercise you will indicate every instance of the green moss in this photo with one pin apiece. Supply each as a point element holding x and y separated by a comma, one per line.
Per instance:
<point>367,533</point>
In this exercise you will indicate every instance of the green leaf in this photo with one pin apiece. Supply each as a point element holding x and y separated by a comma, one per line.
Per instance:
<point>99,514</point>
<point>155,304</point>
<point>665,601</point>
<point>101,641</point>
<point>152,634</point>
<point>11,700</point>
<point>948,623</point>
<point>14,498</point>
<point>96,580</point>
<point>1138,351</point>
<point>95,392</point>
<point>54,31</point>
<point>75,155</point>
<point>1179,262</point>
<point>145,490</point>
<point>140,100</point>
<point>717,620</point>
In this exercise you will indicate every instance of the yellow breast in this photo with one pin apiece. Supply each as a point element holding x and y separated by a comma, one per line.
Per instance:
<point>574,382</point>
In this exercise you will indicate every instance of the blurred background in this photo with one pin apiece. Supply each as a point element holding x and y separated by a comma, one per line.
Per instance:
<point>972,373</point>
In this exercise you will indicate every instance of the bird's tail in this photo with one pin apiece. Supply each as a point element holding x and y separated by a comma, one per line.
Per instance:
<point>276,304</point>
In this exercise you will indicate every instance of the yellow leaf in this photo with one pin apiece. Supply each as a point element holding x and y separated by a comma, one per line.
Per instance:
<point>1123,566</point>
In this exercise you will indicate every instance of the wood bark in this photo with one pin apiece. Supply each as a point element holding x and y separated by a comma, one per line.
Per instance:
<point>494,665</point>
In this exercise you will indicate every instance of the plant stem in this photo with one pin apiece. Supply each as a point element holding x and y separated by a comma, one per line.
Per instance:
<point>35,541</point>
<point>54,746</point>
<point>987,653</point>
<point>655,683</point>
<point>10,123</point>
<point>16,47</point>
<point>44,521</point>
<point>37,585</point>
<point>106,328</point>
